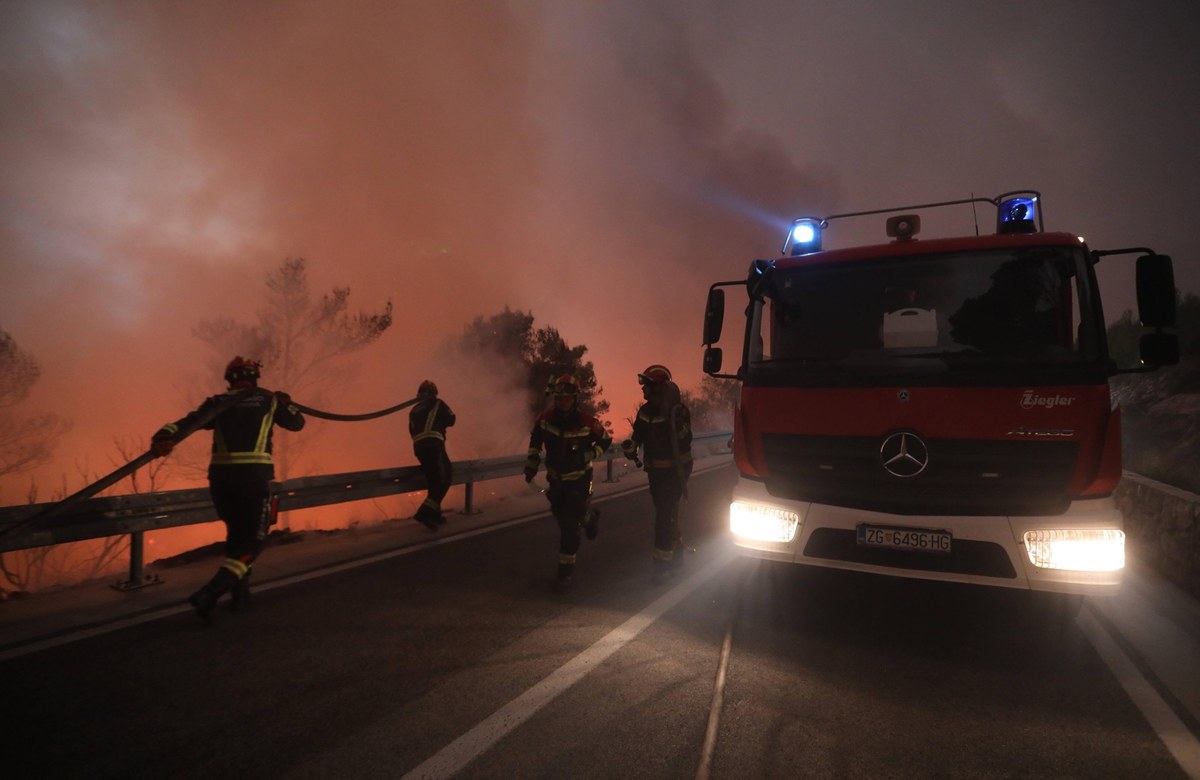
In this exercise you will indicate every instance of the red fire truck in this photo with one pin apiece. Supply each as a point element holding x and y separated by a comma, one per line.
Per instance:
<point>936,408</point>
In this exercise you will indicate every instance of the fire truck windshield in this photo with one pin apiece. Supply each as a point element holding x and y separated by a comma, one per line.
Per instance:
<point>967,311</point>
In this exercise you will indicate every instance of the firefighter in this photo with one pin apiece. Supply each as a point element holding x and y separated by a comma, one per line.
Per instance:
<point>663,430</point>
<point>427,423</point>
<point>239,474</point>
<point>572,439</point>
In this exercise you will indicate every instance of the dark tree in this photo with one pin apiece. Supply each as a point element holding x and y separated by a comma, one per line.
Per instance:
<point>303,342</point>
<point>1160,411</point>
<point>298,338</point>
<point>26,441</point>
<point>537,354</point>
<point>713,404</point>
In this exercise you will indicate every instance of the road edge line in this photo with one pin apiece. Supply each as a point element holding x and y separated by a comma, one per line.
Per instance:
<point>1170,728</point>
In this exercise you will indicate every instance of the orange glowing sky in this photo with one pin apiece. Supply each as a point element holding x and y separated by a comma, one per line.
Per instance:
<point>596,163</point>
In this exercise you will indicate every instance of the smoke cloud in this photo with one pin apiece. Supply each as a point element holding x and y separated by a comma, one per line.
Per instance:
<point>598,164</point>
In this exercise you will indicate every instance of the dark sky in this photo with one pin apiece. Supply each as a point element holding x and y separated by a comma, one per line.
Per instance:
<point>597,163</point>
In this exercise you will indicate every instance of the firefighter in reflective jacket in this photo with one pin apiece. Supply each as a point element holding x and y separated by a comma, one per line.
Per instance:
<point>239,475</point>
<point>572,439</point>
<point>427,423</point>
<point>663,429</point>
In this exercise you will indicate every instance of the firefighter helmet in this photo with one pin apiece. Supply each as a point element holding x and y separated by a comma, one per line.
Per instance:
<point>427,388</point>
<point>242,369</point>
<point>565,384</point>
<point>655,375</point>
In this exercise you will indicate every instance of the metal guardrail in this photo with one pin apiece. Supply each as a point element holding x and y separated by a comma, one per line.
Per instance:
<point>137,513</point>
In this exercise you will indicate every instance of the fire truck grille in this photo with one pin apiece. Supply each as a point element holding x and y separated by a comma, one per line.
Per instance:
<point>962,477</point>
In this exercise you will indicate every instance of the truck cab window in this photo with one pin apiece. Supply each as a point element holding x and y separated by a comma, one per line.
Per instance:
<point>997,305</point>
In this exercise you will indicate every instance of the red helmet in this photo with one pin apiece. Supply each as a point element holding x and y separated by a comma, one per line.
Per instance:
<point>427,388</point>
<point>565,384</point>
<point>242,369</point>
<point>655,375</point>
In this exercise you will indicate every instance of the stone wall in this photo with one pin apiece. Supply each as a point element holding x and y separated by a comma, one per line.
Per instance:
<point>1162,528</point>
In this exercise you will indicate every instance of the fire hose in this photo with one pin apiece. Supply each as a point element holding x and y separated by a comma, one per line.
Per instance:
<point>149,455</point>
<point>355,417</point>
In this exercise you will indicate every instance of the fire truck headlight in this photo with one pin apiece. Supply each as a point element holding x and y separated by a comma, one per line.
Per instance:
<point>763,523</point>
<point>805,237</point>
<point>1099,549</point>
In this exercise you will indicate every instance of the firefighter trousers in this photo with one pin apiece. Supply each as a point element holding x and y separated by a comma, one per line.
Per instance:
<point>435,465</point>
<point>569,503</point>
<point>666,491</point>
<point>246,510</point>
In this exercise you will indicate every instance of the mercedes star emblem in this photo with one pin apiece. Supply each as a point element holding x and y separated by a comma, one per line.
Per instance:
<point>903,454</point>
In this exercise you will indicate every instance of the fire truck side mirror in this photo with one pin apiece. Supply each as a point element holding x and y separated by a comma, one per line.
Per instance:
<point>714,319</point>
<point>1159,349</point>
<point>712,360</point>
<point>1156,291</point>
<point>1156,309</point>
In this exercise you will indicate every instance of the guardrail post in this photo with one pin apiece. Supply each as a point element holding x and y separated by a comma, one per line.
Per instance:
<point>137,576</point>
<point>609,477</point>
<point>469,499</point>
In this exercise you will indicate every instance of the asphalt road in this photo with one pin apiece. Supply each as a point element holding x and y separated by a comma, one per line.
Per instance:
<point>457,660</point>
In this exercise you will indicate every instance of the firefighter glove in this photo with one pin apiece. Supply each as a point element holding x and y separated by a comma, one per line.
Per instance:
<point>529,473</point>
<point>283,398</point>
<point>630,448</point>
<point>161,444</point>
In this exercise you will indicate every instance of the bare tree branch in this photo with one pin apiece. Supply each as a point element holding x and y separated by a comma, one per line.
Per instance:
<point>25,441</point>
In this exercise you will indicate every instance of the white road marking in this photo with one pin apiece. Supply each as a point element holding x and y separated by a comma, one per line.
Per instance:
<point>1179,741</point>
<point>477,741</point>
<point>76,635</point>
<point>100,629</point>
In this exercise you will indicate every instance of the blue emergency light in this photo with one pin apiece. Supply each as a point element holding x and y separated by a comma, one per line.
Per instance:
<point>805,237</point>
<point>1018,215</point>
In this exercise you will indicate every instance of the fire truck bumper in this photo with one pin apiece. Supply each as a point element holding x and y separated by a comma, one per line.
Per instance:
<point>1081,551</point>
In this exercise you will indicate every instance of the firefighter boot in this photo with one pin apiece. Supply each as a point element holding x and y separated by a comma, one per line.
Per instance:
<point>591,527</point>
<point>677,557</point>
<point>562,582</point>
<point>240,595</point>
<point>204,601</point>
<point>427,517</point>
<point>662,570</point>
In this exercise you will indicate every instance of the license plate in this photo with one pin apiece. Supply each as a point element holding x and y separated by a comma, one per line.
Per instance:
<point>896,538</point>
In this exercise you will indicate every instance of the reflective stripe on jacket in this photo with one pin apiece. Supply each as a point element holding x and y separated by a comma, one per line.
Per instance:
<point>242,433</point>
<point>429,419</point>
<point>572,440</point>
<point>652,431</point>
